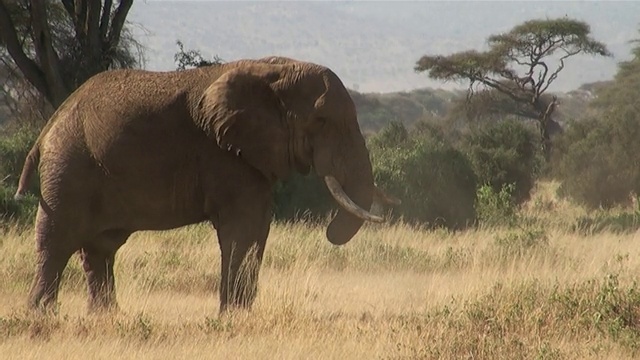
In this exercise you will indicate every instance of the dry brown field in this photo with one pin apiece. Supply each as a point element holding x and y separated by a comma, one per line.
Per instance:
<point>539,290</point>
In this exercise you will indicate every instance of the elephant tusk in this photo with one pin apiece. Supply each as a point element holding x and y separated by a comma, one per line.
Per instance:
<point>386,198</point>
<point>343,199</point>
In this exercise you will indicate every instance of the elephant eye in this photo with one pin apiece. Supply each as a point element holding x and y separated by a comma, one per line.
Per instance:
<point>321,120</point>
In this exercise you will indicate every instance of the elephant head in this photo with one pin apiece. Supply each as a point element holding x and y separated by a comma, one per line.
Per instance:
<point>281,115</point>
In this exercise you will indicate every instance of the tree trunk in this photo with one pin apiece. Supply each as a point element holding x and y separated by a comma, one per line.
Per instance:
<point>546,125</point>
<point>97,33</point>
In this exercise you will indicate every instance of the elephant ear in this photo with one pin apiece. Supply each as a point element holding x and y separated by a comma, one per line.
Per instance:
<point>246,117</point>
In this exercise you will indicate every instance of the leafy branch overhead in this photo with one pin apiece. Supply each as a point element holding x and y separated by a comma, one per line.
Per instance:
<point>520,64</point>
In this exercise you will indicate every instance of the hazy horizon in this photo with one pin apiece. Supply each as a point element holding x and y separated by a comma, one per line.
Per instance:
<point>372,46</point>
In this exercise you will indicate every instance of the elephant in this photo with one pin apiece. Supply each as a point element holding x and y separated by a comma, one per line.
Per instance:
<point>133,150</point>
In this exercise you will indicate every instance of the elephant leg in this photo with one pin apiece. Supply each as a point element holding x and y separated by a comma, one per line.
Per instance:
<point>98,257</point>
<point>54,249</point>
<point>242,242</point>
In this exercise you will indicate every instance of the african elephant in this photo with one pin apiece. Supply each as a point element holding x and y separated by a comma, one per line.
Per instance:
<point>135,150</point>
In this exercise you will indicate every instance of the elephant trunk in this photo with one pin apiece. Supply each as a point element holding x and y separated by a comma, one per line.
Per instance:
<point>358,188</point>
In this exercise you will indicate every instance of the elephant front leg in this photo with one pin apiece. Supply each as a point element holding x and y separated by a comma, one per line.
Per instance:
<point>242,243</point>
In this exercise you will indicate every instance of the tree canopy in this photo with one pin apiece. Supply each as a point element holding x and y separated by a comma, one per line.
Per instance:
<point>57,45</point>
<point>623,93</point>
<point>186,59</point>
<point>518,67</point>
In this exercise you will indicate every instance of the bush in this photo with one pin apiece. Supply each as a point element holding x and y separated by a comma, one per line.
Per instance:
<point>496,208</point>
<point>22,212</point>
<point>597,161</point>
<point>13,151</point>
<point>14,148</point>
<point>435,181</point>
<point>504,153</point>
<point>302,197</point>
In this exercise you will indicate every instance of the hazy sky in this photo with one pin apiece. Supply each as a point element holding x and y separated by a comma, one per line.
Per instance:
<point>372,45</point>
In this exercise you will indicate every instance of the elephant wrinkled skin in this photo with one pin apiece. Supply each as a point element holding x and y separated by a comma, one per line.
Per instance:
<point>137,150</point>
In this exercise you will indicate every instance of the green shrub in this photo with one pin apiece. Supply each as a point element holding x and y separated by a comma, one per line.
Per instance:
<point>22,212</point>
<point>302,197</point>
<point>597,161</point>
<point>502,153</point>
<point>519,242</point>
<point>391,136</point>
<point>496,208</point>
<point>14,148</point>
<point>435,181</point>
<point>619,222</point>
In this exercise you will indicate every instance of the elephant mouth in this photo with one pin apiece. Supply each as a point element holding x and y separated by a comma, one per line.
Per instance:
<point>350,206</point>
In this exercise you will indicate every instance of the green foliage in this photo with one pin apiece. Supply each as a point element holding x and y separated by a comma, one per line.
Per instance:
<point>533,40</point>
<point>75,42</point>
<point>518,68</point>
<point>14,147</point>
<point>621,95</point>
<point>22,211</point>
<point>302,197</point>
<point>375,111</point>
<point>13,151</point>
<point>504,153</point>
<point>546,35</point>
<point>434,181</point>
<point>598,158</point>
<point>517,243</point>
<point>618,222</point>
<point>186,59</point>
<point>391,136</point>
<point>496,208</point>
<point>597,161</point>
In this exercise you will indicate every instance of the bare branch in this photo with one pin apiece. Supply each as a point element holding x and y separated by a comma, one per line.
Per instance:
<point>9,36</point>
<point>70,7</point>
<point>118,21</point>
<point>104,21</point>
<point>92,46</point>
<point>47,56</point>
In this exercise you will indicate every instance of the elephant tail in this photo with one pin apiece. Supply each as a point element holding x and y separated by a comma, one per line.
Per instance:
<point>30,164</point>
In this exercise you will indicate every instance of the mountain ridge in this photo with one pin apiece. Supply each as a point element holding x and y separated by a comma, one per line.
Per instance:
<point>372,46</point>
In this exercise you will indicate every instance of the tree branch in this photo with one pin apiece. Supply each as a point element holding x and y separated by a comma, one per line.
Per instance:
<point>70,7</point>
<point>92,46</point>
<point>29,68</point>
<point>47,56</point>
<point>104,21</point>
<point>118,21</point>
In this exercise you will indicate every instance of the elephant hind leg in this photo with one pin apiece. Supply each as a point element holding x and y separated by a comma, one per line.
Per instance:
<point>54,249</point>
<point>98,256</point>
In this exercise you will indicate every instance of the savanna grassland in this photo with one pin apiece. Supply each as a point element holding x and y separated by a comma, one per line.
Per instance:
<point>541,289</point>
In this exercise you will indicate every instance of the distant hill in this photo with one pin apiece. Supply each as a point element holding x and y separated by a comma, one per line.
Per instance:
<point>376,110</point>
<point>372,46</point>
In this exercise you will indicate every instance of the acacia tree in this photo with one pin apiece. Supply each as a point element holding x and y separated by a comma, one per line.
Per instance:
<point>186,59</point>
<point>518,68</point>
<point>56,46</point>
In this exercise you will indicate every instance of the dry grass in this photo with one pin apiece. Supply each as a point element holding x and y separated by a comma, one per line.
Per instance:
<point>538,291</point>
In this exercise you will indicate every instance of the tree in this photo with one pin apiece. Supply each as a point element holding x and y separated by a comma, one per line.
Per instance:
<point>622,94</point>
<point>56,46</point>
<point>518,67</point>
<point>192,58</point>
<point>597,158</point>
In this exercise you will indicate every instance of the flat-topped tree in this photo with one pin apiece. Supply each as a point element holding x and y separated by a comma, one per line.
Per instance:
<point>513,75</point>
